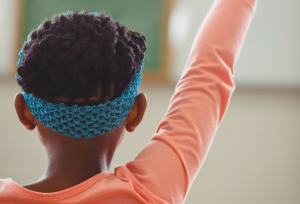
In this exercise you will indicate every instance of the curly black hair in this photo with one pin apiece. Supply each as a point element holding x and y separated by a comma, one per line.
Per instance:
<point>80,58</point>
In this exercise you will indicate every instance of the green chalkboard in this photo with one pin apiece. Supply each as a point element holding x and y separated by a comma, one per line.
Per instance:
<point>143,16</point>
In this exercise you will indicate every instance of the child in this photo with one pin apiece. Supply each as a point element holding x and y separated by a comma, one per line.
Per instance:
<point>80,73</point>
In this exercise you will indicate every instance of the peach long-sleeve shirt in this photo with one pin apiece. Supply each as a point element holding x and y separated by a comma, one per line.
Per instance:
<point>167,166</point>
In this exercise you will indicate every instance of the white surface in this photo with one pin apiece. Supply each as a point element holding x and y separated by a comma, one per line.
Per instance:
<point>6,40</point>
<point>271,53</point>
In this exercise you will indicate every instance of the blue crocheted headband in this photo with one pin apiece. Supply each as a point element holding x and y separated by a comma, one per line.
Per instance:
<point>87,121</point>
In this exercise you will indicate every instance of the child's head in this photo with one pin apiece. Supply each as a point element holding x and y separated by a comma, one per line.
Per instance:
<point>81,59</point>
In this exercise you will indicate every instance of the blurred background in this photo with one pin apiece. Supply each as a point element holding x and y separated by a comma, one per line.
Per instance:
<point>255,157</point>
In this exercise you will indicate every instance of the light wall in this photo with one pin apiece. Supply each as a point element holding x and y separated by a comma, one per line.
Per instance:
<point>269,58</point>
<point>5,48</point>
<point>9,41</point>
<point>271,53</point>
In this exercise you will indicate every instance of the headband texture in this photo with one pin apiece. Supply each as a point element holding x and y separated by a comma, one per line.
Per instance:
<point>83,122</point>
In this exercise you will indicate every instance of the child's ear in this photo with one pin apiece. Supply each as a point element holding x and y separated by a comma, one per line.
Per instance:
<point>25,117</point>
<point>136,115</point>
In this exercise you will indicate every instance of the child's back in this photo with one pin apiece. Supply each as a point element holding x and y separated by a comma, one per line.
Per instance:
<point>167,166</point>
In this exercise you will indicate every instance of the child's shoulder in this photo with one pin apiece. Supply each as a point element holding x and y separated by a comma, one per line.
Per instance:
<point>2,185</point>
<point>2,182</point>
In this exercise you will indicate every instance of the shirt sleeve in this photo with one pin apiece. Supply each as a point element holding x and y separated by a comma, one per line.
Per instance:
<point>167,166</point>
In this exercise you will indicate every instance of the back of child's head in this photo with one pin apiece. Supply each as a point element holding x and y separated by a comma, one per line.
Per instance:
<point>80,58</point>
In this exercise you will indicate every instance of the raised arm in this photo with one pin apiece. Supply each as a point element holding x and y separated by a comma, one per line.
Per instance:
<point>169,163</point>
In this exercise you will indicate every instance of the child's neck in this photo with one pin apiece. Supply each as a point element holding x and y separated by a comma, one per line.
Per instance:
<point>76,165</point>
<point>72,161</point>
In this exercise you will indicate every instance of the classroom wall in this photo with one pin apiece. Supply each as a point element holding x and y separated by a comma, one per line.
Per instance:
<point>269,58</point>
<point>271,54</point>
<point>10,27</point>
<point>6,29</point>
